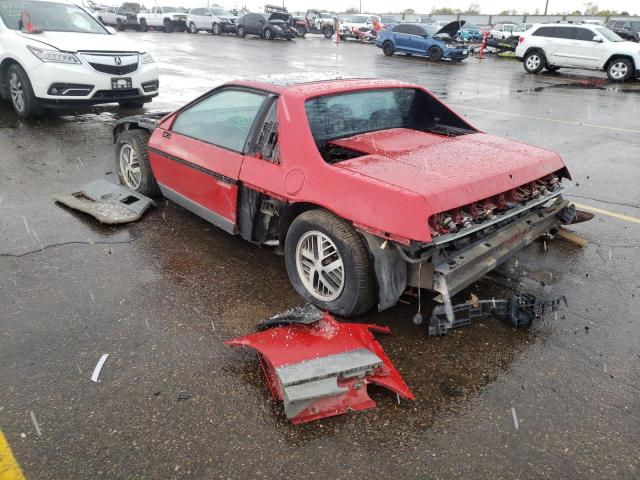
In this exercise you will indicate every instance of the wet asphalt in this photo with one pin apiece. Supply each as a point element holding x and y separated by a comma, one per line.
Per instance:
<point>160,296</point>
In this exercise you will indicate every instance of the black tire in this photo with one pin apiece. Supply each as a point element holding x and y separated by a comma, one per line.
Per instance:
<point>267,34</point>
<point>342,37</point>
<point>534,61</point>
<point>101,21</point>
<point>137,139</point>
<point>240,31</point>
<point>131,104</point>
<point>168,26</point>
<point>21,95</point>
<point>435,54</point>
<point>620,69</point>
<point>215,29</point>
<point>388,48</point>
<point>192,28</point>
<point>328,32</point>
<point>143,25</point>
<point>119,25</point>
<point>358,292</point>
<point>551,68</point>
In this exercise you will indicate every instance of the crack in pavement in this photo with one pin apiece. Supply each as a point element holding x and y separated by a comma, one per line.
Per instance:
<point>73,242</point>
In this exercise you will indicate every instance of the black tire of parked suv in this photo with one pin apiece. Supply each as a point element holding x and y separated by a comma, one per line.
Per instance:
<point>387,48</point>
<point>620,69</point>
<point>131,104</point>
<point>143,25</point>
<point>137,139</point>
<point>168,26</point>
<point>21,95</point>
<point>215,29</point>
<point>192,28</point>
<point>551,68</point>
<point>119,25</point>
<point>267,34</point>
<point>435,53</point>
<point>534,61</point>
<point>327,31</point>
<point>240,31</point>
<point>358,293</point>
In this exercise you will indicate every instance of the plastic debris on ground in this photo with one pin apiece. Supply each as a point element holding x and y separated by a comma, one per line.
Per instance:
<point>518,311</point>
<point>320,367</point>
<point>107,202</point>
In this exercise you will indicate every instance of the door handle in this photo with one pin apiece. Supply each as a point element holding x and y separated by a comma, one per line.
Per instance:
<point>166,134</point>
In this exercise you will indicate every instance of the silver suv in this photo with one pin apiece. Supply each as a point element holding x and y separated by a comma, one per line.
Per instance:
<point>591,47</point>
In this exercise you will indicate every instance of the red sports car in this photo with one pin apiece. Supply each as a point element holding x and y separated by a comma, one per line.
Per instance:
<point>368,185</point>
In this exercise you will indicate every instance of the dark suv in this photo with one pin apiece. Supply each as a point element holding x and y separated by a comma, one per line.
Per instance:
<point>265,25</point>
<point>626,29</point>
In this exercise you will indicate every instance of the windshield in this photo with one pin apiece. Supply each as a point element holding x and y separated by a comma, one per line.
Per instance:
<point>608,34</point>
<point>49,16</point>
<point>357,19</point>
<point>220,11</point>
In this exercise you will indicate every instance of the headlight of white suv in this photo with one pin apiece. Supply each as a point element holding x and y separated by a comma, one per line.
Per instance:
<point>147,58</point>
<point>53,55</point>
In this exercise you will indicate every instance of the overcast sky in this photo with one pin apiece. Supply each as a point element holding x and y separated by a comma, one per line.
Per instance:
<point>420,6</point>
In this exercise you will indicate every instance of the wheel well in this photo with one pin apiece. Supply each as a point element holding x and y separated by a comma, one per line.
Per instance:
<point>616,57</point>
<point>289,214</point>
<point>534,49</point>
<point>121,127</point>
<point>4,68</point>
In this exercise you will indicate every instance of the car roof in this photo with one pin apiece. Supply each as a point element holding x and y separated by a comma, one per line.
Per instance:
<point>307,83</point>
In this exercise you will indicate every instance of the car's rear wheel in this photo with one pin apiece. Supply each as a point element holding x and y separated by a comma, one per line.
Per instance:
<point>168,26</point>
<point>327,32</point>
<point>21,94</point>
<point>268,34</point>
<point>387,48</point>
<point>435,53</point>
<point>240,31</point>
<point>192,28</point>
<point>132,162</point>
<point>534,61</point>
<point>620,69</point>
<point>328,263</point>
<point>143,25</point>
<point>215,29</point>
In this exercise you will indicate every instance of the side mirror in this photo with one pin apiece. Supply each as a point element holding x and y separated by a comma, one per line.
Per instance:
<point>597,39</point>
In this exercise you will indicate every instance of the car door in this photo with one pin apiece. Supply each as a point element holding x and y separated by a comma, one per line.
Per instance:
<point>197,159</point>
<point>586,52</point>
<point>566,48</point>
<point>204,19</point>
<point>401,38</point>
<point>419,42</point>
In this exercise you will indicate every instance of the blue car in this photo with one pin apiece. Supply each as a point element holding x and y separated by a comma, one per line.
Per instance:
<point>470,32</point>
<point>420,39</point>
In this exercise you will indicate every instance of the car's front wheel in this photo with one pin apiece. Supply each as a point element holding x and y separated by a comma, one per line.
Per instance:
<point>192,28</point>
<point>534,61</point>
<point>119,25</point>
<point>240,31</point>
<point>327,32</point>
<point>620,69</point>
<point>21,94</point>
<point>143,25</point>
<point>328,263</point>
<point>132,162</point>
<point>268,34</point>
<point>387,48</point>
<point>215,29</point>
<point>435,54</point>
<point>168,26</point>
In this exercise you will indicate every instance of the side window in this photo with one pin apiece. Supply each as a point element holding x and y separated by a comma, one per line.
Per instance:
<point>543,32</point>
<point>627,25</point>
<point>223,119</point>
<point>564,32</point>
<point>401,29</point>
<point>153,10</point>
<point>196,11</point>
<point>584,34</point>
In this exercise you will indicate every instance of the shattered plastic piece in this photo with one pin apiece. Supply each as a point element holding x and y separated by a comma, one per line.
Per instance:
<point>96,371</point>
<point>320,368</point>
<point>519,311</point>
<point>107,202</point>
<point>306,314</point>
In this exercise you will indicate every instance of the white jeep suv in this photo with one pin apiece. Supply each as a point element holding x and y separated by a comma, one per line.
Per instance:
<point>54,54</point>
<point>592,47</point>
<point>215,20</point>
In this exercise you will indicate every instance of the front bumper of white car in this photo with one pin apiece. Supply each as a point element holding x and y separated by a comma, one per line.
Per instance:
<point>97,79</point>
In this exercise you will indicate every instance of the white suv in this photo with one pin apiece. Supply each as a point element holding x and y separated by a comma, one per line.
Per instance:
<point>579,46</point>
<point>215,20</point>
<point>55,54</point>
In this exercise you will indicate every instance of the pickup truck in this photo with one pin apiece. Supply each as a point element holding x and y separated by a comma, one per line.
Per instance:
<point>168,19</point>
<point>118,17</point>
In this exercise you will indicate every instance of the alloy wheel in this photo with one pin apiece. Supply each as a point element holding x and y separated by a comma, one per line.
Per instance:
<point>533,61</point>
<point>320,266</point>
<point>619,70</point>
<point>129,167</point>
<point>17,92</point>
